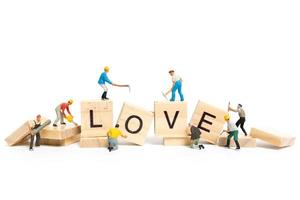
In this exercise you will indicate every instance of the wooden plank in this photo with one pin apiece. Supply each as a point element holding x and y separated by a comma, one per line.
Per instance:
<point>177,141</point>
<point>94,142</point>
<point>135,122</point>
<point>276,139</point>
<point>243,141</point>
<point>96,117</point>
<point>170,119</point>
<point>210,121</point>
<point>60,132</point>
<point>60,142</point>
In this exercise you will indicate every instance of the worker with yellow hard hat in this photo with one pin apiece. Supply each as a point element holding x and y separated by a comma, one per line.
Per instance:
<point>104,79</point>
<point>232,130</point>
<point>113,135</point>
<point>60,113</point>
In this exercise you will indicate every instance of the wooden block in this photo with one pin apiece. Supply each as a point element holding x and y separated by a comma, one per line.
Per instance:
<point>60,132</point>
<point>94,142</point>
<point>170,119</point>
<point>63,142</point>
<point>19,134</point>
<point>210,121</point>
<point>271,138</point>
<point>96,118</point>
<point>243,141</point>
<point>135,122</point>
<point>176,141</point>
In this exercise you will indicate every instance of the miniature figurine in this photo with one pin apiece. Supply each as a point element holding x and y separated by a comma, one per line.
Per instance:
<point>232,130</point>
<point>35,127</point>
<point>113,135</point>
<point>195,137</point>
<point>242,116</point>
<point>104,79</point>
<point>60,112</point>
<point>177,86</point>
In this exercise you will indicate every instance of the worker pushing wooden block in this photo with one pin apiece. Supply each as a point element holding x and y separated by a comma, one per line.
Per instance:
<point>271,138</point>
<point>170,119</point>
<point>243,141</point>
<point>96,118</point>
<point>135,122</point>
<point>210,121</point>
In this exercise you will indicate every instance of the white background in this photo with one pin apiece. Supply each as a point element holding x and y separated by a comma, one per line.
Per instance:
<point>241,51</point>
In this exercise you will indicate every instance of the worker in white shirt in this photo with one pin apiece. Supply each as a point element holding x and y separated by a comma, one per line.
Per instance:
<point>232,130</point>
<point>177,85</point>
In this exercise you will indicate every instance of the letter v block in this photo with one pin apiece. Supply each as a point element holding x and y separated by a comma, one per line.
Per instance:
<point>135,122</point>
<point>170,119</point>
<point>96,118</point>
<point>210,121</point>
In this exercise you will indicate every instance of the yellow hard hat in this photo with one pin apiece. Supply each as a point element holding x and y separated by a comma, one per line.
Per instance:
<point>70,101</point>
<point>69,118</point>
<point>106,68</point>
<point>226,117</point>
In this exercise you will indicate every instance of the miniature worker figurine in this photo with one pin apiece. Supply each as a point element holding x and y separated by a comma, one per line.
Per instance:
<point>177,85</point>
<point>113,135</point>
<point>195,137</point>
<point>35,124</point>
<point>232,130</point>
<point>242,116</point>
<point>104,79</point>
<point>60,112</point>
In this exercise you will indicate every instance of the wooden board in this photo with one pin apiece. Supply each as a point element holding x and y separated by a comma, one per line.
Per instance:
<point>135,122</point>
<point>176,141</point>
<point>243,141</point>
<point>96,117</point>
<point>210,121</point>
<point>94,142</point>
<point>170,119</point>
<point>271,138</point>
<point>18,135</point>
<point>62,142</point>
<point>61,132</point>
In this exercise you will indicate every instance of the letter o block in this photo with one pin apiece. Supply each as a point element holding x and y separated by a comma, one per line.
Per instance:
<point>210,121</point>
<point>170,119</point>
<point>135,122</point>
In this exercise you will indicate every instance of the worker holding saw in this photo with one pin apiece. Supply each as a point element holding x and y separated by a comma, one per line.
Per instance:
<point>104,79</point>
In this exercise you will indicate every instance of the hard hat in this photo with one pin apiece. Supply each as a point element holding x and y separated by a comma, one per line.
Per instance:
<point>70,101</point>
<point>226,117</point>
<point>106,68</point>
<point>69,118</point>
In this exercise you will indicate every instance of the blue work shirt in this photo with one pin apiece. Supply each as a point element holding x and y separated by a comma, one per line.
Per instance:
<point>104,79</point>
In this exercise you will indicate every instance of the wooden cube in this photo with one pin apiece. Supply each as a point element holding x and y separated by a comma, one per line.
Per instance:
<point>271,138</point>
<point>135,122</point>
<point>96,118</point>
<point>177,141</point>
<point>94,142</point>
<point>61,132</point>
<point>19,134</point>
<point>170,119</point>
<point>243,141</point>
<point>210,121</point>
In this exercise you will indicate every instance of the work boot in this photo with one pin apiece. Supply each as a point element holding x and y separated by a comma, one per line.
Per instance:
<point>55,125</point>
<point>237,145</point>
<point>201,146</point>
<point>109,149</point>
<point>63,123</point>
<point>103,96</point>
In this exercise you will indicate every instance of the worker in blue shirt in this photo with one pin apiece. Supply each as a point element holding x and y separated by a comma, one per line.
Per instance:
<point>104,79</point>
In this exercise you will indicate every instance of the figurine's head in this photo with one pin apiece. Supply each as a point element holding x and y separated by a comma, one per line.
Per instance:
<point>171,72</point>
<point>117,125</point>
<point>227,118</point>
<point>38,118</point>
<point>106,69</point>
<point>240,106</point>
<point>70,102</point>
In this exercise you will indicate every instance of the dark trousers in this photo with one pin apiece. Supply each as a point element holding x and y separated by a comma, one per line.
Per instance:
<point>241,123</point>
<point>37,140</point>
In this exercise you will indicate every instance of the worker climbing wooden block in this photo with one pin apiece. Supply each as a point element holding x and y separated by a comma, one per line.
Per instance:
<point>94,142</point>
<point>177,141</point>
<point>210,121</point>
<point>243,141</point>
<point>135,122</point>
<point>170,119</point>
<point>277,140</point>
<point>96,118</point>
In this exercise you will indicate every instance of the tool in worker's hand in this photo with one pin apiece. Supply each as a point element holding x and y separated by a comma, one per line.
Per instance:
<point>164,95</point>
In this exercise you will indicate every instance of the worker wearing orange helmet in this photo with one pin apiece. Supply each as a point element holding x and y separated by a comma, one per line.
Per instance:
<point>60,112</point>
